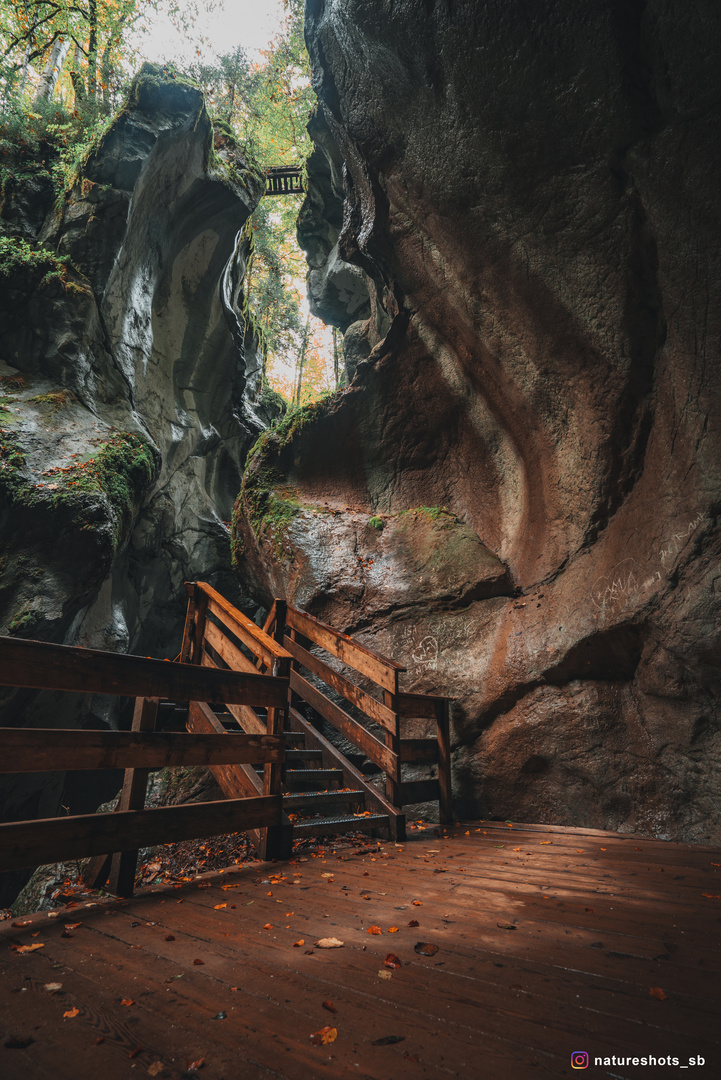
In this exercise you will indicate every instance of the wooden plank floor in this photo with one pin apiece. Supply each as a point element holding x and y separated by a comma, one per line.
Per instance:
<point>549,941</point>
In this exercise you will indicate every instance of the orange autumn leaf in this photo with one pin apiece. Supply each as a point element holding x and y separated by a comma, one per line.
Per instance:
<point>712,896</point>
<point>297,944</point>
<point>72,925</point>
<point>425,948</point>
<point>219,907</point>
<point>329,1006</point>
<point>30,948</point>
<point>155,1069</point>
<point>324,1036</point>
<point>392,929</point>
<point>657,992</point>
<point>127,1001</point>
<point>268,926</point>
<point>22,922</point>
<point>550,842</point>
<point>374,930</point>
<point>195,1065</point>
<point>414,922</point>
<point>417,903</point>
<point>392,961</point>
<point>70,1014</point>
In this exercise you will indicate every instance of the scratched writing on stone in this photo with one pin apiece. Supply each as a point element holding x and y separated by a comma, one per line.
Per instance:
<point>672,547</point>
<point>425,653</point>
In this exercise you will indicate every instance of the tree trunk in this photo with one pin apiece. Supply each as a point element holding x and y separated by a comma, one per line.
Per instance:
<point>77,79</point>
<point>51,72</point>
<point>93,49</point>
<point>336,358</point>
<point>301,362</point>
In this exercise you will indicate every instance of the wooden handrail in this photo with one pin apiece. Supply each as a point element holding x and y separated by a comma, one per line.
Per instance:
<point>260,644</point>
<point>27,750</point>
<point>41,665</point>
<point>380,669</point>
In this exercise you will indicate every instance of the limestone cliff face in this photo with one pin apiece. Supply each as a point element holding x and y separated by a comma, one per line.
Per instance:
<point>532,191</point>
<point>131,393</point>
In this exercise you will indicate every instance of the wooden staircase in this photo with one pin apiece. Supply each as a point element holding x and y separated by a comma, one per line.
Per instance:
<point>323,792</point>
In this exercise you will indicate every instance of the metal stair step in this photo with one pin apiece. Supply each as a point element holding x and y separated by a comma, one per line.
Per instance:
<point>318,777</point>
<point>307,802</point>
<point>292,755</point>
<point>319,826</point>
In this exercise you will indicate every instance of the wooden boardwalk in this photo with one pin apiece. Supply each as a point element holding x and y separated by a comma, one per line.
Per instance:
<point>549,941</point>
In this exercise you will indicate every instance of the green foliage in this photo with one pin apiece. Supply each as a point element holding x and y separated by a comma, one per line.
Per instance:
<point>18,257</point>
<point>120,473</point>
<point>376,522</point>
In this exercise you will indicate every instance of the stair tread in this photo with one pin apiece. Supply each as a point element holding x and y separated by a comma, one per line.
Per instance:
<point>356,822</point>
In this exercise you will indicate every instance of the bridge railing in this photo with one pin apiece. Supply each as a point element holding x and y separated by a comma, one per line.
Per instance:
<point>45,666</point>
<point>383,705</point>
<point>284,180</point>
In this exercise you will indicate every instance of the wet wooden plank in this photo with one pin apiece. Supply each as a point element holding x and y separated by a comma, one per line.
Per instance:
<point>24,750</point>
<point>44,666</point>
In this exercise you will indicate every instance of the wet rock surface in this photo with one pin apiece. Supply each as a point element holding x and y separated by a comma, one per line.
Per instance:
<point>130,392</point>
<point>533,195</point>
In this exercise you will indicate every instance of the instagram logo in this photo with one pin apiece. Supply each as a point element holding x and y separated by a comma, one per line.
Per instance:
<point>579,1059</point>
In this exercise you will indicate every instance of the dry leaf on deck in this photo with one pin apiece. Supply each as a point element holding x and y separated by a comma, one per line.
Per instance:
<point>218,907</point>
<point>324,1036</point>
<point>70,1014</point>
<point>22,922</point>
<point>416,903</point>
<point>30,948</point>
<point>374,930</point>
<point>127,1001</point>
<point>155,1069</point>
<point>297,944</point>
<point>707,895</point>
<point>425,948</point>
<point>268,926</point>
<point>657,992</point>
<point>392,961</point>
<point>72,925</point>
<point>384,974</point>
<point>198,963</point>
<point>414,922</point>
<point>170,937</point>
<point>329,943</point>
<point>329,1006</point>
<point>52,988</point>
<point>195,1065</point>
<point>392,929</point>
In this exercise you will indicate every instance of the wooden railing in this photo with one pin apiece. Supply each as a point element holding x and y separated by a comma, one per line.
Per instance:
<point>284,180</point>
<point>384,705</point>
<point>44,666</point>
<point>220,637</point>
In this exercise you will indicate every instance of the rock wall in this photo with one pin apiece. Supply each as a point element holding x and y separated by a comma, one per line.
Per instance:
<point>518,494</point>
<point>131,392</point>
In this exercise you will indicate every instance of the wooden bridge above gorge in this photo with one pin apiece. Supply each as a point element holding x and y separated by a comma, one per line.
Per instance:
<point>284,180</point>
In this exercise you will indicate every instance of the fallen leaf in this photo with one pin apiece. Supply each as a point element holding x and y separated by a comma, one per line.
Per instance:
<point>268,926</point>
<point>67,934</point>
<point>72,925</point>
<point>425,948</point>
<point>327,876</point>
<point>195,1065</point>
<point>657,992</point>
<point>330,1006</point>
<point>22,922</point>
<point>551,841</point>
<point>392,929</point>
<point>52,988</point>
<point>70,1014</point>
<point>219,907</point>
<point>135,1051</point>
<point>297,944</point>
<point>324,1036</point>
<point>170,937</point>
<point>712,896</point>
<point>416,903</point>
<point>414,922</point>
<point>388,1040</point>
<point>507,925</point>
<point>127,1001</point>
<point>392,961</point>
<point>384,974</point>
<point>155,1069</point>
<point>198,963</point>
<point>30,948</point>
<point>374,930</point>
<point>329,943</point>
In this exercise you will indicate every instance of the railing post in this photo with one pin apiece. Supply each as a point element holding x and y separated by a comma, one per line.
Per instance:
<point>394,785</point>
<point>132,797</point>
<point>445,794</point>
<point>278,840</point>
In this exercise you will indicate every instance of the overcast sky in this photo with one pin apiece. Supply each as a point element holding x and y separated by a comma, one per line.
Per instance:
<point>250,23</point>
